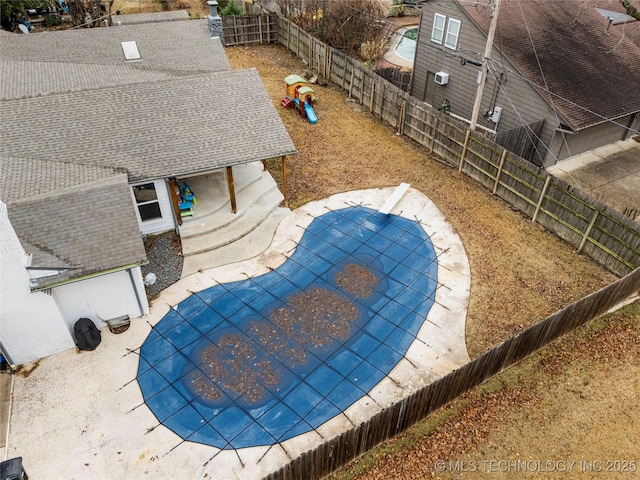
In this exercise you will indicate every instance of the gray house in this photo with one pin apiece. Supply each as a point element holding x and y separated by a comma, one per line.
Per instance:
<point>99,126</point>
<point>564,77</point>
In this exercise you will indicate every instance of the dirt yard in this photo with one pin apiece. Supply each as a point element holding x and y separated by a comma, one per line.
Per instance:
<point>575,401</point>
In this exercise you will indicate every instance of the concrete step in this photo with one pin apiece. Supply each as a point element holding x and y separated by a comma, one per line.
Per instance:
<point>216,231</point>
<point>251,196</point>
<point>212,191</point>
<point>250,245</point>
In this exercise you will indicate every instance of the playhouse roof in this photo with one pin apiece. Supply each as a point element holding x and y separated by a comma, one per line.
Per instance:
<point>293,79</point>
<point>303,90</point>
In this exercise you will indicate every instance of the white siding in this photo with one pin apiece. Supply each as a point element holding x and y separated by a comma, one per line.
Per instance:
<point>102,298</point>
<point>31,326</point>
<point>167,221</point>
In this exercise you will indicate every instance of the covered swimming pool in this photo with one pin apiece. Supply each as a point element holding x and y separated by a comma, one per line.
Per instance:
<point>262,360</point>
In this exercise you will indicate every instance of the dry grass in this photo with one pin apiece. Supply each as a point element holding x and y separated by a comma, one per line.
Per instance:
<point>519,272</point>
<point>575,400</point>
<point>196,8</point>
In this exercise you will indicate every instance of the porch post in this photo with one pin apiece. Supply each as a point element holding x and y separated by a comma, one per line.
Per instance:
<point>232,190</point>
<point>174,199</point>
<point>264,162</point>
<point>284,181</point>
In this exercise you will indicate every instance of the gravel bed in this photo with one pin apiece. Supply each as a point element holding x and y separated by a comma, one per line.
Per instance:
<point>164,252</point>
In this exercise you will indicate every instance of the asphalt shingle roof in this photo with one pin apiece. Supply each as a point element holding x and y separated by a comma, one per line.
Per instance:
<point>33,177</point>
<point>83,228</point>
<point>578,61</point>
<point>79,122</point>
<point>154,130</point>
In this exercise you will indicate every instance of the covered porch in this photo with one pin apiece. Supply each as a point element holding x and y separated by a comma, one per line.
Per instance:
<point>228,205</point>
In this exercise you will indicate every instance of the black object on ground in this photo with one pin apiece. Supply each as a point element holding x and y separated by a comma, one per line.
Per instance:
<point>12,469</point>
<point>88,337</point>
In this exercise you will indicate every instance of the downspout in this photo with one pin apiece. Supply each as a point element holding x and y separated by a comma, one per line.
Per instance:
<point>135,289</point>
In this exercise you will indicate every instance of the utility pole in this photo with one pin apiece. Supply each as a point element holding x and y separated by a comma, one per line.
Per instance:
<point>485,59</point>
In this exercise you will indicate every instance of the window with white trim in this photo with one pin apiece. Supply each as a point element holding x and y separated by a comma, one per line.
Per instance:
<point>147,201</point>
<point>437,32</point>
<point>453,32</point>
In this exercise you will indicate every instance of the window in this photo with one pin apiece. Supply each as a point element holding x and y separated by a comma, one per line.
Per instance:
<point>438,28</point>
<point>147,201</point>
<point>453,32</point>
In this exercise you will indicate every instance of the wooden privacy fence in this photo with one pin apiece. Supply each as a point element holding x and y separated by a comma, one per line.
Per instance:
<point>337,452</point>
<point>587,224</point>
<point>247,29</point>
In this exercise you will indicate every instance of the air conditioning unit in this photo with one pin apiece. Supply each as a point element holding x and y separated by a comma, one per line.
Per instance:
<point>442,78</point>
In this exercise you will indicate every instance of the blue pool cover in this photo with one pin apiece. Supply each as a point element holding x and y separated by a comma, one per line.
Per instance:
<point>260,361</point>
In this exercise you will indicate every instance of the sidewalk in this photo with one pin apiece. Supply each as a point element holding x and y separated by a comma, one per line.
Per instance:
<point>610,174</point>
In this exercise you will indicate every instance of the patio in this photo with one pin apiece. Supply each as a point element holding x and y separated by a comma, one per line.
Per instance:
<point>95,412</point>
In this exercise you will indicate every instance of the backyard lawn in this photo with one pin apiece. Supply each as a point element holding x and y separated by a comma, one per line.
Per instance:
<point>574,401</point>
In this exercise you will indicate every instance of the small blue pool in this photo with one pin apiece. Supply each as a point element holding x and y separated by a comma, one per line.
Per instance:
<point>406,47</point>
<point>260,361</point>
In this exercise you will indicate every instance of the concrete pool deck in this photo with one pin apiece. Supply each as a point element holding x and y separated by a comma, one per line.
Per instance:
<point>82,414</point>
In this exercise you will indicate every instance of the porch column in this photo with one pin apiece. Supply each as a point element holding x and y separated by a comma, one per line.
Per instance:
<point>173,186</point>
<point>232,190</point>
<point>285,192</point>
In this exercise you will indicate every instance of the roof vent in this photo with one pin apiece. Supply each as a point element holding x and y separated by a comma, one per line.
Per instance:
<point>130,50</point>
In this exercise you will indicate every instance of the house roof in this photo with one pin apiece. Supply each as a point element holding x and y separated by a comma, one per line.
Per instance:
<point>153,130</point>
<point>81,230</point>
<point>80,122</point>
<point>177,111</point>
<point>594,75</point>
<point>84,59</point>
<point>20,178</point>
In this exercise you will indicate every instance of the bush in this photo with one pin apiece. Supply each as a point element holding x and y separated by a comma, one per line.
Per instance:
<point>51,20</point>
<point>231,9</point>
<point>346,25</point>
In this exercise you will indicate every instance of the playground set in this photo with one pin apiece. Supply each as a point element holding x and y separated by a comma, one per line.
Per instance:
<point>300,96</point>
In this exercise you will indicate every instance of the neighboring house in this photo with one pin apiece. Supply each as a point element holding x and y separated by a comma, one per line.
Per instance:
<point>91,145</point>
<point>564,76</point>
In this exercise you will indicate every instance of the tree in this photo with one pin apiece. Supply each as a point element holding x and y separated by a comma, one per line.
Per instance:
<point>352,26</point>
<point>631,10</point>
<point>11,10</point>
<point>231,8</point>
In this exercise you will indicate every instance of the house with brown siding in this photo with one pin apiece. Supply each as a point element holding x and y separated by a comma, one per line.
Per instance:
<point>563,77</point>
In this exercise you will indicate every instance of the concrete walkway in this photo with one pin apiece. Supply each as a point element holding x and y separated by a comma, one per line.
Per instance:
<point>610,174</point>
<point>82,415</point>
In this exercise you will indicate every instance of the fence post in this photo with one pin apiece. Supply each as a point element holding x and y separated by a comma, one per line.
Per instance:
<point>403,106</point>
<point>433,133</point>
<point>384,90</point>
<point>351,81</point>
<point>542,194</point>
<point>464,149</point>
<point>344,73</point>
<point>373,91</point>
<point>502,159</point>
<point>310,52</point>
<point>588,231</point>
<point>325,60</point>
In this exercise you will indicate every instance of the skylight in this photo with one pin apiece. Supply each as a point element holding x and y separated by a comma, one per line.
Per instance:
<point>617,17</point>
<point>130,50</point>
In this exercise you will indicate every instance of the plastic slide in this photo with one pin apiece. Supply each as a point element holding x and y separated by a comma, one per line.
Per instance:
<point>311,115</point>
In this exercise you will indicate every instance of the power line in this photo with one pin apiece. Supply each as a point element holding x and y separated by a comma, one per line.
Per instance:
<point>544,78</point>
<point>560,97</point>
